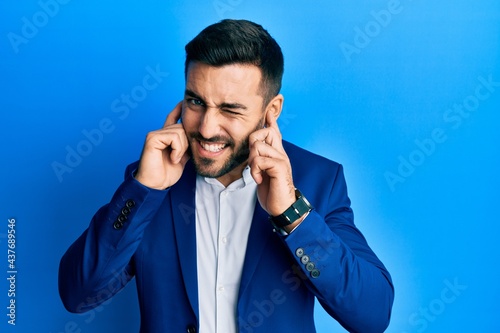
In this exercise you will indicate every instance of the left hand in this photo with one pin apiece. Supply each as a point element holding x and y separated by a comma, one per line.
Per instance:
<point>271,169</point>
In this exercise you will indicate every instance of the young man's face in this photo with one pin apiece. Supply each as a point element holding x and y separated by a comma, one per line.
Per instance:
<point>222,106</point>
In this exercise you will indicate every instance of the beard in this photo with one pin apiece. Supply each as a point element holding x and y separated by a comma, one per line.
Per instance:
<point>205,166</point>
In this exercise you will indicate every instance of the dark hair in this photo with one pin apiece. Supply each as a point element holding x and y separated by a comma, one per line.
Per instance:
<point>239,42</point>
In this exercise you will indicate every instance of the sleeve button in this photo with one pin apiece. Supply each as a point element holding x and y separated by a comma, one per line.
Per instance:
<point>117,225</point>
<point>299,252</point>
<point>314,273</point>
<point>304,259</point>
<point>310,266</point>
<point>130,203</point>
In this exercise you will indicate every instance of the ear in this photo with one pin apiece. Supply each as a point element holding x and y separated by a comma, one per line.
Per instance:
<point>275,105</point>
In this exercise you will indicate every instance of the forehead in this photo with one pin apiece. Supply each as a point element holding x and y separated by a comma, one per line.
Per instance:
<point>225,82</point>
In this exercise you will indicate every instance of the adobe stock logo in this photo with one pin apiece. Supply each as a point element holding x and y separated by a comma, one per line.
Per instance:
<point>263,309</point>
<point>363,36</point>
<point>39,19</point>
<point>426,147</point>
<point>426,315</point>
<point>121,106</point>
<point>104,297</point>
<point>224,6</point>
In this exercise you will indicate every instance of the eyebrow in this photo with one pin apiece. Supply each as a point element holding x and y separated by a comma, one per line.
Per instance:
<point>224,105</point>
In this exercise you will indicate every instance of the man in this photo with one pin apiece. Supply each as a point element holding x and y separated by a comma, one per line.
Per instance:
<point>213,221</point>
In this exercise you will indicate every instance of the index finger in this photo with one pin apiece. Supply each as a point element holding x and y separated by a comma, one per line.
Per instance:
<point>174,115</point>
<point>272,121</point>
<point>270,135</point>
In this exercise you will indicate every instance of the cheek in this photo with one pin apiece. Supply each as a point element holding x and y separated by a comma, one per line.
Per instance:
<point>190,120</point>
<point>239,130</point>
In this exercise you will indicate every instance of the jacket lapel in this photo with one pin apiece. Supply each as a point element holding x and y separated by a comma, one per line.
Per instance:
<point>260,232</point>
<point>182,197</point>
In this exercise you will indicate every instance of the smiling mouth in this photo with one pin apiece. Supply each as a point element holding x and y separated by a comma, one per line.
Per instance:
<point>212,147</point>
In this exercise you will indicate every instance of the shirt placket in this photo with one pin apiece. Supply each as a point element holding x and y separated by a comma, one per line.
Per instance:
<point>222,271</point>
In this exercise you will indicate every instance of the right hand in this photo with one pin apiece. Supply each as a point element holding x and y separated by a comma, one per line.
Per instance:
<point>164,154</point>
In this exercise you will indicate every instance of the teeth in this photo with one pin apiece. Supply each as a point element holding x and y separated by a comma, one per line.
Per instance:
<point>212,147</point>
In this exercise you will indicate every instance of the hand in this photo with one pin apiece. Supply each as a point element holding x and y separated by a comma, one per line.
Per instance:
<point>164,154</point>
<point>271,169</point>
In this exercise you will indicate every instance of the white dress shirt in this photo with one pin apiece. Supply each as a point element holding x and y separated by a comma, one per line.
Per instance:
<point>223,219</point>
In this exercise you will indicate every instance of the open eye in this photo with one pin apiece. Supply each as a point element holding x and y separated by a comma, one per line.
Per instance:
<point>195,102</point>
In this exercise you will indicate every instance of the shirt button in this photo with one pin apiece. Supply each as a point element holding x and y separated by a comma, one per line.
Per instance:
<point>299,252</point>
<point>221,288</point>
<point>304,259</point>
<point>224,240</point>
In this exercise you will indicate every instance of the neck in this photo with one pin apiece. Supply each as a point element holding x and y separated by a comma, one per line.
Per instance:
<point>232,175</point>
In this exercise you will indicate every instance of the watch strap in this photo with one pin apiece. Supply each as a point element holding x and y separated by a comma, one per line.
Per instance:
<point>300,207</point>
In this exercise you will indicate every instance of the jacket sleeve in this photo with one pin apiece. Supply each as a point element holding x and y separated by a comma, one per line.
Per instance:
<point>99,263</point>
<point>347,278</point>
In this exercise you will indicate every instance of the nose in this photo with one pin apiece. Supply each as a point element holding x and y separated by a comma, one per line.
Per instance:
<point>209,123</point>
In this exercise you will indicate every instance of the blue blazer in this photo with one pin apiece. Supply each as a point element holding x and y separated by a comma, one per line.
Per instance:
<point>150,235</point>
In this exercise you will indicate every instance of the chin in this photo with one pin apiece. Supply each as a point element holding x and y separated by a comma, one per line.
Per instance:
<point>214,169</point>
<point>207,167</point>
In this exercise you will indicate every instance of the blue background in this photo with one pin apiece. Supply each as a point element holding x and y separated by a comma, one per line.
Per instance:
<point>374,85</point>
